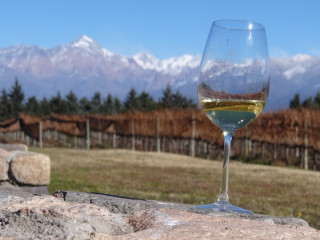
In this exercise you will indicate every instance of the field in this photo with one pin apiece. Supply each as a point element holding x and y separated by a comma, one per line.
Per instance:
<point>171,177</point>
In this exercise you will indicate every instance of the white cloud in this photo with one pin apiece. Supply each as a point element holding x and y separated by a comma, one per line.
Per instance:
<point>294,71</point>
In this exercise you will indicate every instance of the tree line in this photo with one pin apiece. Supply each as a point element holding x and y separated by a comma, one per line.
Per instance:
<point>309,103</point>
<point>13,102</point>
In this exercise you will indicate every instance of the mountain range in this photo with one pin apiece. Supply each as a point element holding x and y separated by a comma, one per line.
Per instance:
<point>84,66</point>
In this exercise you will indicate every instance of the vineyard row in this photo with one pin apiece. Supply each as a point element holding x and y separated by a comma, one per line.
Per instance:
<point>288,137</point>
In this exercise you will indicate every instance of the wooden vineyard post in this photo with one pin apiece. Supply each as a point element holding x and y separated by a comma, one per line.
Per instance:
<point>274,152</point>
<point>208,150</point>
<point>114,140</point>
<point>192,136</point>
<point>305,145</point>
<point>287,155</point>
<point>297,137</point>
<point>205,148</point>
<point>55,135</point>
<point>158,135</point>
<point>252,147</point>
<point>246,143</point>
<point>315,163</point>
<point>99,137</point>
<point>40,134</point>
<point>133,137</point>
<point>75,142</point>
<point>88,133</point>
<point>163,144</point>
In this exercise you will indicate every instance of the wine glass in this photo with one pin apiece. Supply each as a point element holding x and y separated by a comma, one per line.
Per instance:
<point>233,85</point>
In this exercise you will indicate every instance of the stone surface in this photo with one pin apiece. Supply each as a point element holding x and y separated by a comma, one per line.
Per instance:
<point>172,224</point>
<point>38,190</point>
<point>14,147</point>
<point>98,216</point>
<point>125,205</point>
<point>46,217</point>
<point>5,185</point>
<point>29,168</point>
<point>4,167</point>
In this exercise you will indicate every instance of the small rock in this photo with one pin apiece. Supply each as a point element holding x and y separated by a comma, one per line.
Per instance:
<point>3,164</point>
<point>29,168</point>
<point>14,147</point>
<point>46,217</point>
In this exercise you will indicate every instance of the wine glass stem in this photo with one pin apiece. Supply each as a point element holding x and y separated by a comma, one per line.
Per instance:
<point>223,195</point>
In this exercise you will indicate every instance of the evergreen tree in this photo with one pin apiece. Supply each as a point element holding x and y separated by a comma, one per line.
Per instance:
<point>175,100</point>
<point>33,106</point>
<point>108,105</point>
<point>146,102</point>
<point>316,101</point>
<point>5,106</point>
<point>132,101</point>
<point>96,102</point>
<point>167,100</point>
<point>72,103</point>
<point>45,107</point>
<point>117,106</point>
<point>181,102</point>
<point>58,104</point>
<point>85,105</point>
<point>16,97</point>
<point>308,103</point>
<point>295,102</point>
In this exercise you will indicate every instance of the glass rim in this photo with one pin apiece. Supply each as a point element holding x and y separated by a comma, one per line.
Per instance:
<point>234,24</point>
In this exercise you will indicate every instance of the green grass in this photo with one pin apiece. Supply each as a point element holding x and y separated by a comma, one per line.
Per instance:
<point>182,179</point>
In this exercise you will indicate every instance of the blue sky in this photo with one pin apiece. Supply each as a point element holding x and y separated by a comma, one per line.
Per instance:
<point>165,28</point>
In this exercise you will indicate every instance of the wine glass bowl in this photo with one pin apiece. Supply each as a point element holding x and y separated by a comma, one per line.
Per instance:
<point>233,85</point>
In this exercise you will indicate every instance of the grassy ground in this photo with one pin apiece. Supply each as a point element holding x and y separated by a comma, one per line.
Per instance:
<point>177,178</point>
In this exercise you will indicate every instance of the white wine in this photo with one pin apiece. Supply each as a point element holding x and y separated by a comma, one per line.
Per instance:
<point>230,115</point>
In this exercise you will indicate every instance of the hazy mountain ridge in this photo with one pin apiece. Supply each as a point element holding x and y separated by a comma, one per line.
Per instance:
<point>84,66</point>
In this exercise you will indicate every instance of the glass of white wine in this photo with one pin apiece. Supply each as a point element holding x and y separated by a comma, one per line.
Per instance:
<point>233,85</point>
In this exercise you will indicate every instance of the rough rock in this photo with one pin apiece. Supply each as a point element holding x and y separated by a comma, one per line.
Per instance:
<point>3,164</point>
<point>14,147</point>
<point>172,224</point>
<point>124,205</point>
<point>100,216</point>
<point>46,217</point>
<point>29,168</point>
<point>6,185</point>
<point>38,190</point>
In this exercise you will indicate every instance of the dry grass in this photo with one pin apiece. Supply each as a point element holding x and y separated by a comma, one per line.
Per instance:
<point>177,178</point>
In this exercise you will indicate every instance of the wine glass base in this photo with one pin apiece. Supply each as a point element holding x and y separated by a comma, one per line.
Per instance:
<point>226,207</point>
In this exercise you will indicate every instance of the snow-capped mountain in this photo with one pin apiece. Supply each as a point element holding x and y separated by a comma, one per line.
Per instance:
<point>84,66</point>
<point>171,66</point>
